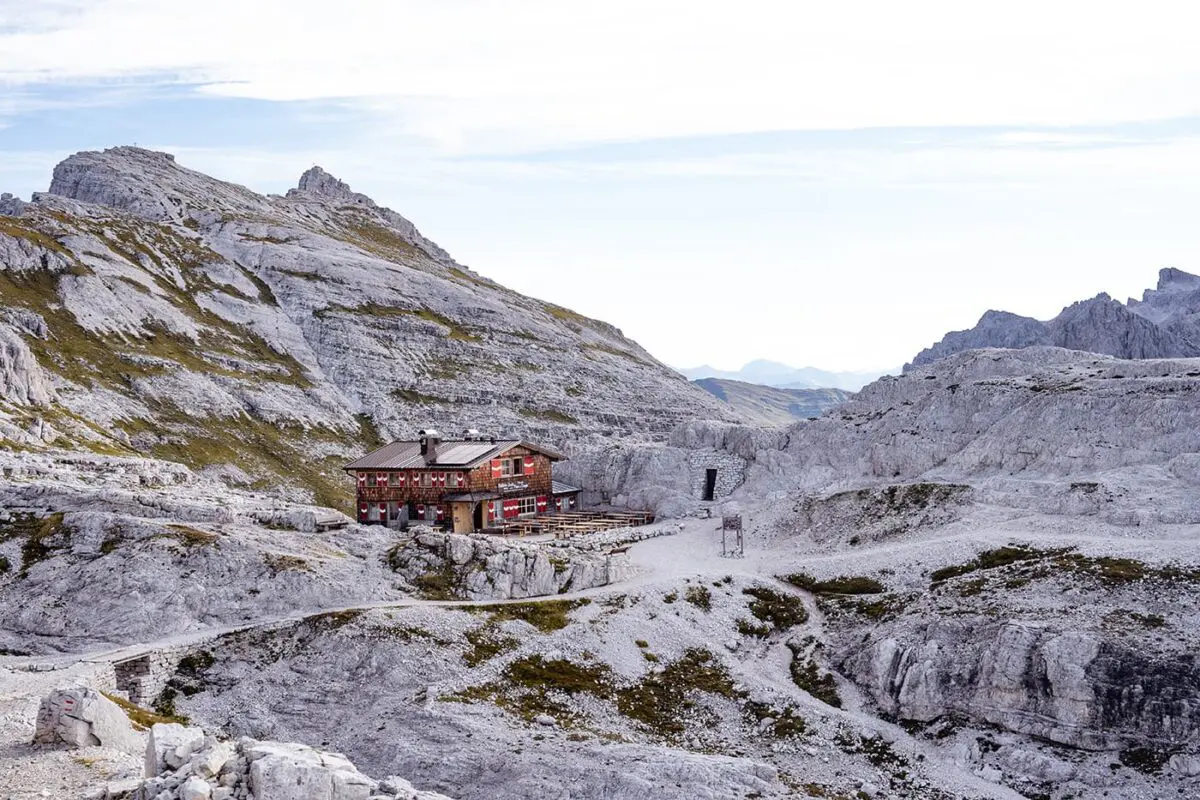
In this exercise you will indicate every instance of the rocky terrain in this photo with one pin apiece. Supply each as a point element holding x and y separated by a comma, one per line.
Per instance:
<point>767,405</point>
<point>149,310</point>
<point>974,580</point>
<point>1165,323</point>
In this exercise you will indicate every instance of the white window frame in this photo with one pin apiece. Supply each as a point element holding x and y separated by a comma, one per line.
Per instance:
<point>426,480</point>
<point>526,506</point>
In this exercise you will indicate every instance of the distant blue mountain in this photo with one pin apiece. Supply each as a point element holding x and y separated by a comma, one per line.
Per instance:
<point>773,373</point>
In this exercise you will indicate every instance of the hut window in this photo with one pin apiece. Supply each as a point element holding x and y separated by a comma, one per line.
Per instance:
<point>512,466</point>
<point>454,479</point>
<point>527,505</point>
<point>370,479</point>
<point>394,479</point>
<point>426,479</point>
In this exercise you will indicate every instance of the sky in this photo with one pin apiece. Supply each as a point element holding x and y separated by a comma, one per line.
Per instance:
<point>823,184</point>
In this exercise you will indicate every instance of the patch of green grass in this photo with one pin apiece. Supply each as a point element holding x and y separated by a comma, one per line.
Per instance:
<point>885,608</point>
<point>438,584</point>
<point>193,537</point>
<point>659,700</point>
<point>992,559</point>
<point>332,620</point>
<point>418,398</point>
<point>877,750</point>
<point>785,723</point>
<point>781,611</point>
<point>809,677</point>
<point>549,415</point>
<point>699,596</point>
<point>40,536</point>
<point>840,585</point>
<point>546,616</point>
<point>486,643</point>
<point>281,562</point>
<point>1039,564</point>
<point>140,718</point>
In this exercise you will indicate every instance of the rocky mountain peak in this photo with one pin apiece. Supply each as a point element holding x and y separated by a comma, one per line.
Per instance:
<point>1164,324</point>
<point>1171,279</point>
<point>317,181</point>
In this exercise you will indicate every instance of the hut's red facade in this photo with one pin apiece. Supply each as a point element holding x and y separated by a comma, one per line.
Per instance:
<point>465,485</point>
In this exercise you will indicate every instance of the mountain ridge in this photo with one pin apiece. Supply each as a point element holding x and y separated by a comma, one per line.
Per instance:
<point>1165,323</point>
<point>148,309</point>
<point>764,372</point>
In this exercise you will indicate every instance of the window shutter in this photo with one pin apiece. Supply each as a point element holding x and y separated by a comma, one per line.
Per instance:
<point>400,479</point>
<point>496,468</point>
<point>362,511</point>
<point>362,479</point>
<point>381,478</point>
<point>528,465</point>
<point>420,511</point>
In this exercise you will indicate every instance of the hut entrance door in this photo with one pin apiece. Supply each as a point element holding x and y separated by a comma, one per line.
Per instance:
<point>478,516</point>
<point>710,484</point>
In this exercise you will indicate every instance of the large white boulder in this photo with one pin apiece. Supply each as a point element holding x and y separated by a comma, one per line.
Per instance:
<point>85,718</point>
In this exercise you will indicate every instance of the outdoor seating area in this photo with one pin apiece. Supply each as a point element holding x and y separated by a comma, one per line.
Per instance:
<point>572,523</point>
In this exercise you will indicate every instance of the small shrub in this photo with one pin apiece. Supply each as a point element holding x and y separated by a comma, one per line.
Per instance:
<point>642,643</point>
<point>782,611</point>
<point>808,676</point>
<point>840,585</point>
<point>5,566</point>
<point>670,597</point>
<point>1147,760</point>
<point>747,628</point>
<point>700,597</point>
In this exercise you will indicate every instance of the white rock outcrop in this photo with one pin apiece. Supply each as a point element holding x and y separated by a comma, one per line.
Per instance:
<point>192,766</point>
<point>83,717</point>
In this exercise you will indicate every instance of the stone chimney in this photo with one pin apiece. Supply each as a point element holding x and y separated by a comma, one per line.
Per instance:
<point>429,445</point>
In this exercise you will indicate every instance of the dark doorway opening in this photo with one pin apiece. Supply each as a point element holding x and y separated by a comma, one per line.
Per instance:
<point>479,516</point>
<point>710,484</point>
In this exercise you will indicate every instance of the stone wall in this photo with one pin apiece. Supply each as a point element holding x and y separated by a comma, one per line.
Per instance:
<point>143,677</point>
<point>731,472</point>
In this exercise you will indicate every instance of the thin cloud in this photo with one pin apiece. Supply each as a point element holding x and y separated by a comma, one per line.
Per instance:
<point>486,76</point>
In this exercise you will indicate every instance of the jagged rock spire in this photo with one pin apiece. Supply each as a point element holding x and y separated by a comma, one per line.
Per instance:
<point>318,181</point>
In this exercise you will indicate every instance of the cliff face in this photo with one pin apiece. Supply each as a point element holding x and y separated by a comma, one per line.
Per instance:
<point>1164,324</point>
<point>149,309</point>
